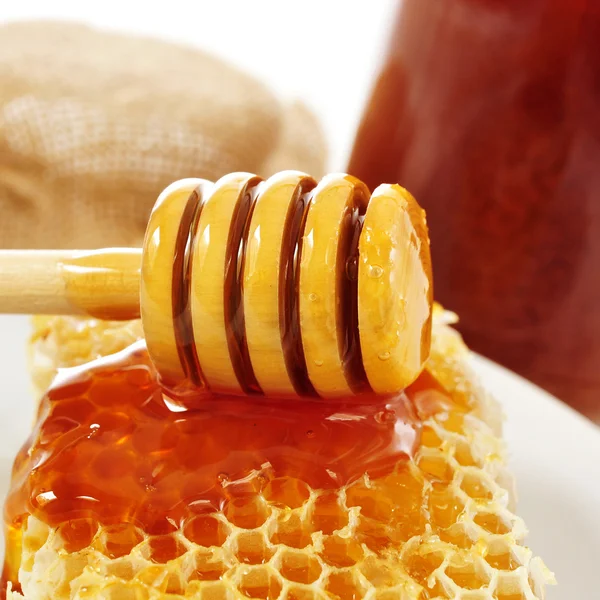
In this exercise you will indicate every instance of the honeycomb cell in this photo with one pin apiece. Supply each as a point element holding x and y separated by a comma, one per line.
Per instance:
<point>372,502</point>
<point>491,522</point>
<point>474,485</point>
<point>435,467</point>
<point>299,567</point>
<point>154,576</point>
<point>286,492</point>
<point>206,530</point>
<point>251,548</point>
<point>503,561</point>
<point>216,590</point>
<point>463,454</point>
<point>341,552</point>
<point>327,514</point>
<point>344,585</point>
<point>380,573</point>
<point>259,582</point>
<point>121,568</point>
<point>247,512</point>
<point>420,566</point>
<point>429,437</point>
<point>468,576</point>
<point>375,535</point>
<point>291,531</point>
<point>163,548</point>
<point>77,534</point>
<point>444,506</point>
<point>300,593</point>
<point>205,567</point>
<point>115,591</point>
<point>457,535</point>
<point>118,540</point>
<point>453,421</point>
<point>175,583</point>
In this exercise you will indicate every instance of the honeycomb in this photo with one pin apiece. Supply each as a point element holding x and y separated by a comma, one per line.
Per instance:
<point>433,520</point>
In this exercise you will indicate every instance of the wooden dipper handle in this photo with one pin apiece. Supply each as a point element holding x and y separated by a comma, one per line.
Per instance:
<point>100,283</point>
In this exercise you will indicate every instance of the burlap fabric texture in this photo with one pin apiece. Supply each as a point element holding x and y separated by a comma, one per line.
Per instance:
<point>93,125</point>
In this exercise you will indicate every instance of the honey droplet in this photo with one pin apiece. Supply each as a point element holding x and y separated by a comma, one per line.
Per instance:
<point>383,355</point>
<point>375,271</point>
<point>318,363</point>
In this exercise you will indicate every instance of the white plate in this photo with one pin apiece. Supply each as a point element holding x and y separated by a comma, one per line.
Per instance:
<point>555,455</point>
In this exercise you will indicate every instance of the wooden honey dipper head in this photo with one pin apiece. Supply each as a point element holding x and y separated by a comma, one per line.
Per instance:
<point>287,286</point>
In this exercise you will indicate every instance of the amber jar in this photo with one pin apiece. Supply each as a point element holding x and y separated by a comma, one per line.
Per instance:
<point>489,112</point>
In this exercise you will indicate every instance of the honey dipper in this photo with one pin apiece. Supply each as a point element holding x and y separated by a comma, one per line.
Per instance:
<point>282,286</point>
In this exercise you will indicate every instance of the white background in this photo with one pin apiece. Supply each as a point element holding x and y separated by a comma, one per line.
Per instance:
<point>325,52</point>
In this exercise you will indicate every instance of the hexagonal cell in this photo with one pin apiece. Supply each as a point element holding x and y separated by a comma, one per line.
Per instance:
<point>491,522</point>
<point>344,584</point>
<point>475,487</point>
<point>251,548</point>
<point>435,467</point>
<point>429,438</point>
<point>118,540</point>
<point>205,567</point>
<point>374,534</point>
<point>299,566</point>
<point>77,534</point>
<point>373,503</point>
<point>341,552</point>
<point>468,576</point>
<point>247,512</point>
<point>456,534</point>
<point>453,421</point>
<point>379,573</point>
<point>163,548</point>
<point>212,590</point>
<point>206,530</point>
<point>509,587</point>
<point>154,576</point>
<point>121,568</point>
<point>327,514</point>
<point>421,564</point>
<point>286,492</point>
<point>116,591</point>
<point>299,593</point>
<point>291,531</point>
<point>259,582</point>
<point>463,455</point>
<point>175,583</point>
<point>503,561</point>
<point>444,506</point>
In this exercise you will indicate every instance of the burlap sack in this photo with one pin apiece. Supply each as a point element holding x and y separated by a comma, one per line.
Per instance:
<point>93,125</point>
